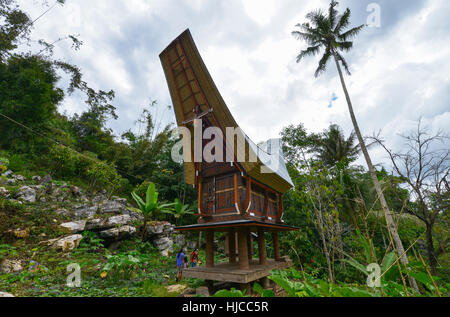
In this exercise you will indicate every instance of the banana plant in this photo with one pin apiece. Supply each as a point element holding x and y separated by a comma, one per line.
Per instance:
<point>151,206</point>
<point>179,210</point>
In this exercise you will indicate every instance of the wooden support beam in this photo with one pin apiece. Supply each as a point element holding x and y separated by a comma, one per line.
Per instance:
<point>236,194</point>
<point>276,246</point>
<point>243,252</point>
<point>209,248</point>
<point>262,247</point>
<point>249,245</point>
<point>232,246</point>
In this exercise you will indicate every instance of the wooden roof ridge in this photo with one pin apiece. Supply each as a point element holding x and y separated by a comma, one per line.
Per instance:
<point>191,85</point>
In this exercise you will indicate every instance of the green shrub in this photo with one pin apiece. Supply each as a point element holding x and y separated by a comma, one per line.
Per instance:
<point>91,241</point>
<point>63,161</point>
<point>103,175</point>
<point>4,162</point>
<point>154,289</point>
<point>7,250</point>
<point>123,266</point>
<point>17,163</point>
<point>230,293</point>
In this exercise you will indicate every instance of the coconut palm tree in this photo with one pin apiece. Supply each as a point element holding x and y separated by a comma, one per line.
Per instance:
<point>337,151</point>
<point>329,31</point>
<point>333,147</point>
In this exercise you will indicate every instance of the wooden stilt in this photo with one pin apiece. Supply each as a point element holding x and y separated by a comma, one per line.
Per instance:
<point>209,248</point>
<point>247,287</point>
<point>276,246</point>
<point>262,247</point>
<point>232,246</point>
<point>243,252</point>
<point>265,282</point>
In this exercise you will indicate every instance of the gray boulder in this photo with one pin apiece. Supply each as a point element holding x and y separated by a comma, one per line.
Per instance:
<point>40,192</point>
<point>10,266</point>
<point>4,192</point>
<point>66,243</point>
<point>84,211</point>
<point>112,207</point>
<point>160,229</point>
<point>11,182</point>
<point>73,227</point>
<point>115,221</point>
<point>164,244</point>
<point>36,178</point>
<point>119,200</point>
<point>118,234</point>
<point>26,194</point>
<point>20,178</point>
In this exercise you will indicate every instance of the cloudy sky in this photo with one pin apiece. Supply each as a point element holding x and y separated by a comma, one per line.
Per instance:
<point>400,68</point>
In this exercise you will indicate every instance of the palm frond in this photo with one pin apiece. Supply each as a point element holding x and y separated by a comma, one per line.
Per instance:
<point>319,33</point>
<point>310,51</point>
<point>323,29</point>
<point>323,63</point>
<point>317,17</point>
<point>333,13</point>
<point>309,37</point>
<point>344,46</point>
<point>351,33</point>
<point>344,21</point>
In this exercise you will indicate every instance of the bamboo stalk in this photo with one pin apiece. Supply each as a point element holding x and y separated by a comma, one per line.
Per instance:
<point>429,274</point>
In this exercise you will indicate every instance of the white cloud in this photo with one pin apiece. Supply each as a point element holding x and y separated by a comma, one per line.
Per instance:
<point>261,11</point>
<point>400,71</point>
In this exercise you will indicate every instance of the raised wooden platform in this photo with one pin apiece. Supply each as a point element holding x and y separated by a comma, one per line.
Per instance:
<point>226,272</point>
<point>225,226</point>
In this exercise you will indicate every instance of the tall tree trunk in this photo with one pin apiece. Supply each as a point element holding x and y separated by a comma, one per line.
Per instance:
<point>324,243</point>
<point>387,214</point>
<point>430,247</point>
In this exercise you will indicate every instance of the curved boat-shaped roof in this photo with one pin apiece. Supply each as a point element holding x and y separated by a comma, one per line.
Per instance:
<point>192,88</point>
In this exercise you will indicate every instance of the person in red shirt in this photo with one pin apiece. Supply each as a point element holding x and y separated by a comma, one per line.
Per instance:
<point>194,258</point>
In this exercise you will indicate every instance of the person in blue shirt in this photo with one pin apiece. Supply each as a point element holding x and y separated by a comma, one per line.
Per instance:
<point>180,264</point>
